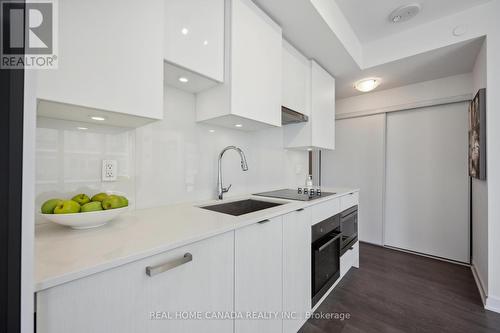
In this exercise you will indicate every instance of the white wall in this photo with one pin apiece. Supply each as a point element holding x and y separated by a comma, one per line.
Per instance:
<point>169,161</point>
<point>480,193</point>
<point>493,157</point>
<point>359,161</point>
<point>177,157</point>
<point>400,98</point>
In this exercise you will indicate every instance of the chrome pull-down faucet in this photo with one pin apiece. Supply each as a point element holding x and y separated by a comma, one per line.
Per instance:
<point>220,188</point>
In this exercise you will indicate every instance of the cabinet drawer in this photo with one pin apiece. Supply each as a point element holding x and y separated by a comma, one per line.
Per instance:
<point>349,259</point>
<point>325,210</point>
<point>349,200</point>
<point>122,299</point>
<point>345,262</point>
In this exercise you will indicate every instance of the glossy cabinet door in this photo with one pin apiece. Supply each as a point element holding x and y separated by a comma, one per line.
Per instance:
<point>296,268</point>
<point>295,76</point>
<point>194,36</point>
<point>110,58</point>
<point>256,64</point>
<point>127,300</point>
<point>319,131</point>
<point>258,275</point>
<point>251,93</point>
<point>322,107</point>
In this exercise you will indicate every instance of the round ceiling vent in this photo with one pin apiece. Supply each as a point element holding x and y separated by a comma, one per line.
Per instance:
<point>405,13</point>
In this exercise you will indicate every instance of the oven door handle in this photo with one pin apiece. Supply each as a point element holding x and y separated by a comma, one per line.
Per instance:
<point>324,246</point>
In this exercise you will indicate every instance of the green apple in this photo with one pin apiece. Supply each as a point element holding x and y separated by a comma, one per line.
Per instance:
<point>67,207</point>
<point>99,197</point>
<point>124,201</point>
<point>114,201</point>
<point>91,207</point>
<point>82,199</point>
<point>49,205</point>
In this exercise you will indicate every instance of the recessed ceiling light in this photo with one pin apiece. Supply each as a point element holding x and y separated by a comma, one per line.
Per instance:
<point>368,84</point>
<point>405,13</point>
<point>396,19</point>
<point>212,131</point>
<point>205,42</point>
<point>185,31</point>
<point>183,79</point>
<point>98,118</point>
<point>82,128</point>
<point>238,125</point>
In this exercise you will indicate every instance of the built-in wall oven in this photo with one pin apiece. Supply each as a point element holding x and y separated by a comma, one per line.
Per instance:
<point>325,252</point>
<point>349,228</point>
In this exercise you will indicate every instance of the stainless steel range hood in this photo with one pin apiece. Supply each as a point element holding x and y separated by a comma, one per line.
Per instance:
<point>289,116</point>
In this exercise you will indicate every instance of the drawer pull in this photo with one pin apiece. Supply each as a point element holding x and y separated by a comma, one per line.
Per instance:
<point>300,210</point>
<point>154,270</point>
<point>262,222</point>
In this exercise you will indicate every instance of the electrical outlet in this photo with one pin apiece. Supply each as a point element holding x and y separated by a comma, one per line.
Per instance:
<point>109,170</point>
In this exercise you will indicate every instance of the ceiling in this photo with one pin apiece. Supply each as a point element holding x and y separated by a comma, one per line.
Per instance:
<point>310,34</point>
<point>451,60</point>
<point>369,18</point>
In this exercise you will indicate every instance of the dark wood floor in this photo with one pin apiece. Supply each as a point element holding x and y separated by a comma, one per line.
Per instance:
<point>394,291</point>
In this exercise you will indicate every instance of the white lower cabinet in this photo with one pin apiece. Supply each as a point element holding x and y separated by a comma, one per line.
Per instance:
<point>261,272</point>
<point>296,269</point>
<point>349,259</point>
<point>125,299</point>
<point>258,276</point>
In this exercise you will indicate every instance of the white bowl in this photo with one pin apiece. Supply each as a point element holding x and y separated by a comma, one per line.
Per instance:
<point>85,220</point>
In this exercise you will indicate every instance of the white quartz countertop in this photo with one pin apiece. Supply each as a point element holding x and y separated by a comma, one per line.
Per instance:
<point>63,254</point>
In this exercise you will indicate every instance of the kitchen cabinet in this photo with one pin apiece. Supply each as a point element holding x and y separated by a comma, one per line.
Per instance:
<point>126,299</point>
<point>296,268</point>
<point>319,131</point>
<point>258,275</point>
<point>349,259</point>
<point>194,43</point>
<point>110,62</point>
<point>295,79</point>
<point>251,94</point>
<point>349,200</point>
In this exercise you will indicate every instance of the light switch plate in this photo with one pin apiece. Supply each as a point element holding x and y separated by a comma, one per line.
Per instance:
<point>109,170</point>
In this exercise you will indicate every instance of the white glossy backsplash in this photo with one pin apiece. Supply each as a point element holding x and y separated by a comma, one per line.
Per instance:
<point>68,161</point>
<point>166,162</point>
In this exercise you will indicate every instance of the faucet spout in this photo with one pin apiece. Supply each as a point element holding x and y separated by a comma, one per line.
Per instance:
<point>244,166</point>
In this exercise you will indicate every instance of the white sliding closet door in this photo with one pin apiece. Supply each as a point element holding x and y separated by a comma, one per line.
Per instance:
<point>358,161</point>
<point>427,201</point>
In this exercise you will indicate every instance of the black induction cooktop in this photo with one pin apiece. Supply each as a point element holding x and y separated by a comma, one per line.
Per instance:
<point>299,194</point>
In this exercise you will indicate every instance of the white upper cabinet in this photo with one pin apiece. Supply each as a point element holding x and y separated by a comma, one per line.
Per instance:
<point>194,43</point>
<point>251,93</point>
<point>319,131</point>
<point>110,60</point>
<point>295,79</point>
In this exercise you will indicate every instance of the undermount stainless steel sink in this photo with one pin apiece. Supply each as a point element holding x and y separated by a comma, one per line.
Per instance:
<point>237,208</point>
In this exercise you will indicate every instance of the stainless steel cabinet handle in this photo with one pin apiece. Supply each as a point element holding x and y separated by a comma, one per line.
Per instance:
<point>265,221</point>
<point>154,270</point>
